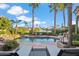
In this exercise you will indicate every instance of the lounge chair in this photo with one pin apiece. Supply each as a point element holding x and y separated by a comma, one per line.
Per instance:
<point>53,50</point>
<point>61,37</point>
<point>61,44</point>
<point>70,51</point>
<point>24,50</point>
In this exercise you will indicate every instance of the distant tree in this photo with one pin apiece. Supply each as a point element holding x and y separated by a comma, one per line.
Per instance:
<point>26,23</point>
<point>15,22</point>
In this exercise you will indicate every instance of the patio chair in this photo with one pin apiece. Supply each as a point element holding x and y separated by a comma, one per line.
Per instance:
<point>61,37</point>
<point>71,51</point>
<point>54,51</point>
<point>24,50</point>
<point>61,44</point>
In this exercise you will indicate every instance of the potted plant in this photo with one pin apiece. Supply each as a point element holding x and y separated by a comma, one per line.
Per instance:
<point>10,47</point>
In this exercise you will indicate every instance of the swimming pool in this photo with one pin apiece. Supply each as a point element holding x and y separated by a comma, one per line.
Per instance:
<point>38,39</point>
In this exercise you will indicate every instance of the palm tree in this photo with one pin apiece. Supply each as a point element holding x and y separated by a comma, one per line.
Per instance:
<point>16,23</point>
<point>33,5</point>
<point>62,7</point>
<point>26,24</point>
<point>5,24</point>
<point>76,13</point>
<point>54,7</point>
<point>70,24</point>
<point>64,17</point>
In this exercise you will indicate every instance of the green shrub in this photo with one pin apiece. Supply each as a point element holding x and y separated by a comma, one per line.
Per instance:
<point>75,40</point>
<point>57,32</point>
<point>75,43</point>
<point>30,32</point>
<point>22,31</point>
<point>12,30</point>
<point>10,45</point>
<point>2,32</point>
<point>75,37</point>
<point>73,29</point>
<point>4,23</point>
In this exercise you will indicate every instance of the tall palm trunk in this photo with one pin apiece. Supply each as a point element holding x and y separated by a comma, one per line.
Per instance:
<point>55,21</point>
<point>76,27</point>
<point>70,24</point>
<point>16,29</point>
<point>32,19</point>
<point>64,18</point>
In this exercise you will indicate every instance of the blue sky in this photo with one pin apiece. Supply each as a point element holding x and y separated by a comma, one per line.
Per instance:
<point>43,17</point>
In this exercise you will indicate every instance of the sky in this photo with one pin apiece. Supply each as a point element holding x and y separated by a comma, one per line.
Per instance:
<point>43,17</point>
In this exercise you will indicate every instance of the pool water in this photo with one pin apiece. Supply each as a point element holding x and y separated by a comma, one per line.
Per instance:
<point>38,39</point>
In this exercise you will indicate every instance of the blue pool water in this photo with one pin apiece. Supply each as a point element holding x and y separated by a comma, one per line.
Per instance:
<point>38,39</point>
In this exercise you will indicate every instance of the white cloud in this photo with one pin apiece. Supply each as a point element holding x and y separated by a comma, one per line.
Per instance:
<point>35,18</point>
<point>28,19</point>
<point>43,22</point>
<point>24,18</point>
<point>21,25</point>
<point>17,10</point>
<point>4,6</point>
<point>39,22</point>
<point>73,22</point>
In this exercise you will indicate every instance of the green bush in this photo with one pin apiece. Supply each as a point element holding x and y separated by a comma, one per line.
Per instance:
<point>12,30</point>
<point>57,32</point>
<point>10,45</point>
<point>30,32</point>
<point>75,40</point>
<point>2,32</point>
<point>75,43</point>
<point>45,33</point>
<point>4,23</point>
<point>75,37</point>
<point>73,29</point>
<point>22,31</point>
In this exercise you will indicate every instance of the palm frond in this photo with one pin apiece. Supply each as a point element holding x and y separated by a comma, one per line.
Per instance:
<point>51,6</point>
<point>18,21</point>
<point>35,5</point>
<point>61,6</point>
<point>13,21</point>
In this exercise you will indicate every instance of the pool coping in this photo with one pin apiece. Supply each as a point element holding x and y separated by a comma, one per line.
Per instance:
<point>57,37</point>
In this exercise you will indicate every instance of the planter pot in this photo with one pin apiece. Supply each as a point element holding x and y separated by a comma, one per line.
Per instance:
<point>8,53</point>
